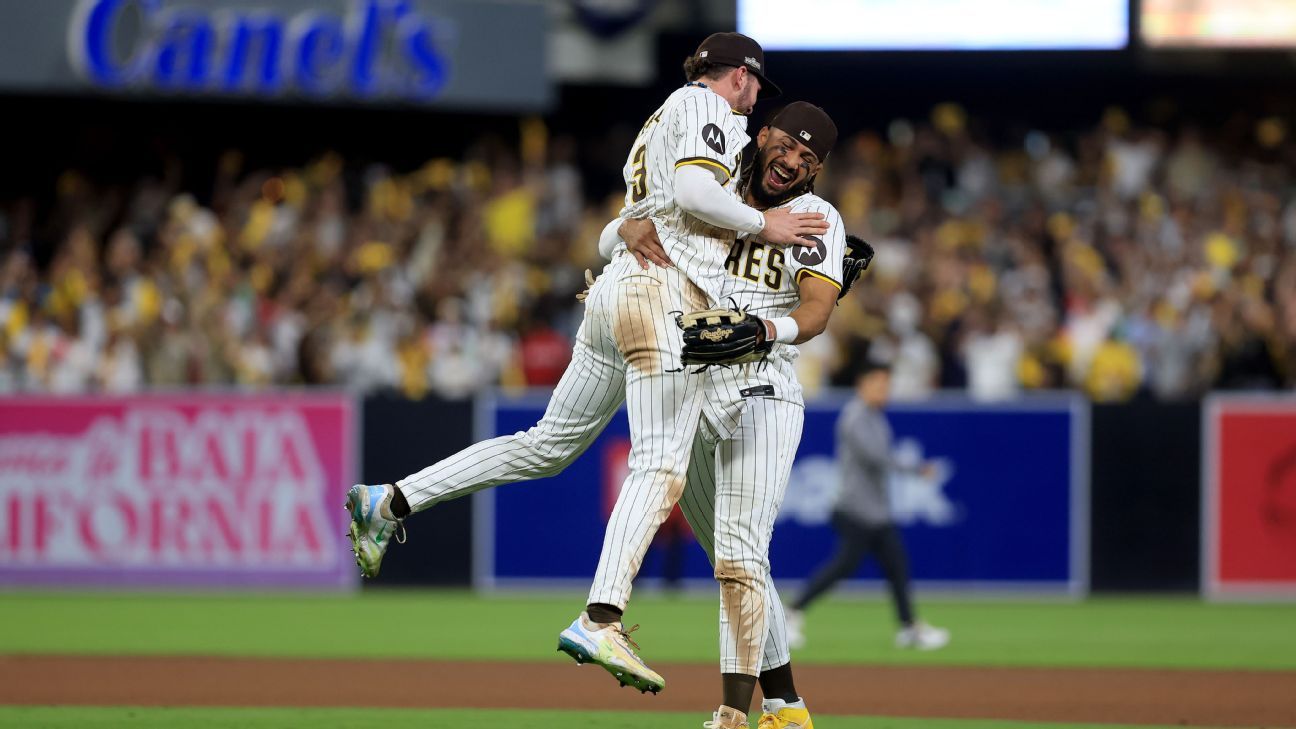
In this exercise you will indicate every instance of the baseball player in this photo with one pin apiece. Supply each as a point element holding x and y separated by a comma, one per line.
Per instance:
<point>755,281</point>
<point>752,422</point>
<point>681,173</point>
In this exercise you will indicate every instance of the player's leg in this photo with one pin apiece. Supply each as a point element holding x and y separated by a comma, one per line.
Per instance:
<point>698,506</point>
<point>587,395</point>
<point>664,406</point>
<point>753,466</point>
<point>776,677</point>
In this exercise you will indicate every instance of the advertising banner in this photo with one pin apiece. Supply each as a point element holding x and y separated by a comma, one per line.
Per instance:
<point>215,490</point>
<point>1249,497</point>
<point>472,54</point>
<point>997,499</point>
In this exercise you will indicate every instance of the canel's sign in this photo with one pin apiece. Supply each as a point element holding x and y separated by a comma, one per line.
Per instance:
<point>373,49</point>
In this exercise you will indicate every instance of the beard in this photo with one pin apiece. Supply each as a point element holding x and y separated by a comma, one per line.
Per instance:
<point>753,182</point>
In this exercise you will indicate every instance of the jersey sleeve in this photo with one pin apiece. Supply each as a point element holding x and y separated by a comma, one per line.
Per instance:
<point>824,261</point>
<point>705,136</point>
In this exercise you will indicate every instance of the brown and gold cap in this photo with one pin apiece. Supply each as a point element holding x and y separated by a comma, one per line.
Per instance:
<point>736,49</point>
<point>809,124</point>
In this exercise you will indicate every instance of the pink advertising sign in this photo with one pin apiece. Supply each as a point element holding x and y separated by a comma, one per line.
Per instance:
<point>210,489</point>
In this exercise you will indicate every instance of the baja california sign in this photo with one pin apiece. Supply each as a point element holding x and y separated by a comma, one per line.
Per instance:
<point>176,490</point>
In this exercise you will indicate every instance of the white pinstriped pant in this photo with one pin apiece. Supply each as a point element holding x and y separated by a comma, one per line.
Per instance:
<point>736,484</point>
<point>626,343</point>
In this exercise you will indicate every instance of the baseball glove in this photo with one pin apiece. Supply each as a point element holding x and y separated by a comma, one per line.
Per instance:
<point>858,257</point>
<point>723,337</point>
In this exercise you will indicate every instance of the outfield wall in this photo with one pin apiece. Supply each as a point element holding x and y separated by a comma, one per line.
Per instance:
<point>1003,507</point>
<point>168,490</point>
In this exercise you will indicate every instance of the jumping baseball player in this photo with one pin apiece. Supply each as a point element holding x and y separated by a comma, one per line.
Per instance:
<point>752,423</point>
<point>680,173</point>
<point>557,447</point>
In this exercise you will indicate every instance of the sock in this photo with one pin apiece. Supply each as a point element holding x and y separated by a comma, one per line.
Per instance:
<point>400,508</point>
<point>600,612</point>
<point>737,689</point>
<point>773,706</point>
<point>776,683</point>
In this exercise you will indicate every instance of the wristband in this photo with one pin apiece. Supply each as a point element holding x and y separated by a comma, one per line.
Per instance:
<point>785,329</point>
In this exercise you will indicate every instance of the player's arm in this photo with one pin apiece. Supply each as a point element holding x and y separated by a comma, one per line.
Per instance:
<point>699,191</point>
<point>819,283</point>
<point>810,318</point>
<point>640,238</point>
<point>704,162</point>
<point>609,239</point>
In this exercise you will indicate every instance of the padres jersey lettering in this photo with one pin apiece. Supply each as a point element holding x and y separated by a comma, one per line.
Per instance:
<point>779,271</point>
<point>757,262</point>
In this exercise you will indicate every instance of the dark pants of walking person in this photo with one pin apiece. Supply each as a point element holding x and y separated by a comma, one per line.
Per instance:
<point>855,541</point>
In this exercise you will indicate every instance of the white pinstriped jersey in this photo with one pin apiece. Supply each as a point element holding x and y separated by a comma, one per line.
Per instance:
<point>695,126</point>
<point>766,280</point>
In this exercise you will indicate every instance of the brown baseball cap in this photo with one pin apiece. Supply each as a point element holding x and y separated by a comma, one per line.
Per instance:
<point>808,124</point>
<point>736,49</point>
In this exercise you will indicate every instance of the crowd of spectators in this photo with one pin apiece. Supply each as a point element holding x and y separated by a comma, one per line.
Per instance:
<point>1121,260</point>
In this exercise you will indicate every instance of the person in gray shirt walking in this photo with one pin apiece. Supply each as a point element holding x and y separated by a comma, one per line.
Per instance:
<point>862,514</point>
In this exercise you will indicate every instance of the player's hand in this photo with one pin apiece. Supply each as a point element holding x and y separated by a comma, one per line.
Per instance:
<point>786,228</point>
<point>641,240</point>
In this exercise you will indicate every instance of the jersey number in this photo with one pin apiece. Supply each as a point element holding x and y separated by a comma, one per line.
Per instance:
<point>639,190</point>
<point>747,258</point>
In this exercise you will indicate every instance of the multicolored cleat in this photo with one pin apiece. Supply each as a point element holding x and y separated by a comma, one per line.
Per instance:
<point>373,525</point>
<point>610,646</point>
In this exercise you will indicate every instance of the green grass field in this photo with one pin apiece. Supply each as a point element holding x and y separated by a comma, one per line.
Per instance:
<point>1173,633</point>
<point>76,718</point>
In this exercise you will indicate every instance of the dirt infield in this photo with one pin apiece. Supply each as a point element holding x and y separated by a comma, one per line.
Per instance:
<point>1187,698</point>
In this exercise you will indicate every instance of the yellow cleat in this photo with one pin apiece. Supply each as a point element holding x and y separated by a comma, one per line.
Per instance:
<point>786,718</point>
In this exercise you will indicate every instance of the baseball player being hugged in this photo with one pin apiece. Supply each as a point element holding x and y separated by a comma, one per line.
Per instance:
<point>742,456</point>
<point>681,173</point>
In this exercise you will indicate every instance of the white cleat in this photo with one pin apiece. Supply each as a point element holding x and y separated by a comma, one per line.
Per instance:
<point>610,646</point>
<point>923,637</point>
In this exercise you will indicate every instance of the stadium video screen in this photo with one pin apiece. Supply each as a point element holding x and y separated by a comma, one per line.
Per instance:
<point>1219,23</point>
<point>936,25</point>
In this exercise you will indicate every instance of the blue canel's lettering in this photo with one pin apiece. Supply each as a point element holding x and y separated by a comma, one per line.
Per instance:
<point>184,49</point>
<point>320,47</point>
<point>255,47</point>
<point>170,46</point>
